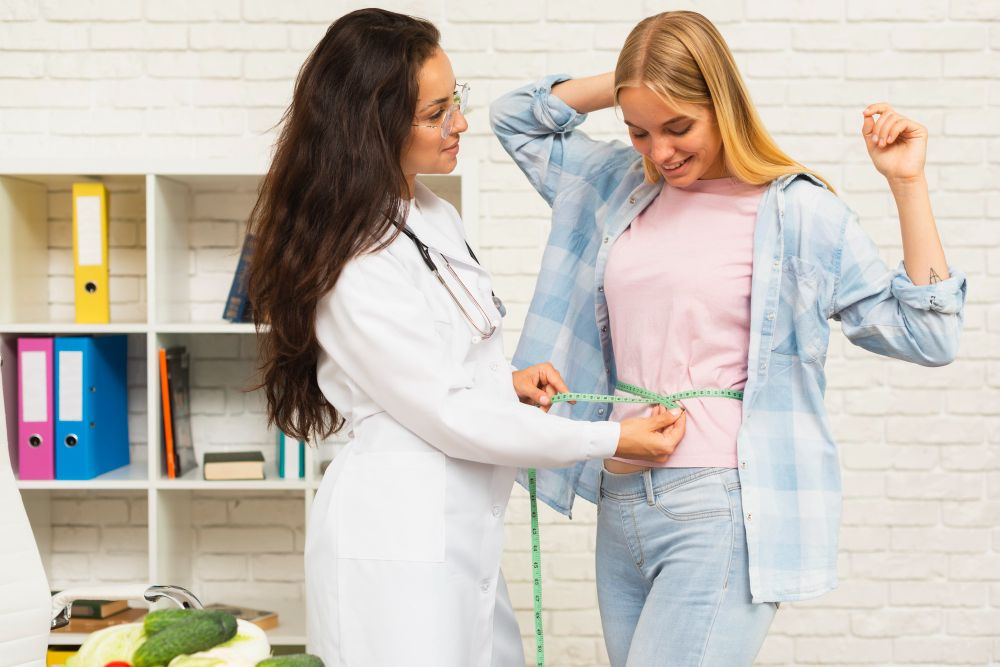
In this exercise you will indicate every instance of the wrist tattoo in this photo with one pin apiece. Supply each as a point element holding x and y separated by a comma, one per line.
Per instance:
<point>935,278</point>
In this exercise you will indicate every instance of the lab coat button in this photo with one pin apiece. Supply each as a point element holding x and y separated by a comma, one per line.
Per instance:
<point>770,315</point>
<point>484,586</point>
<point>631,200</point>
<point>494,366</point>
<point>496,510</point>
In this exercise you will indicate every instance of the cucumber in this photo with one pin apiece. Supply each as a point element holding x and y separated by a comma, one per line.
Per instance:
<point>160,620</point>
<point>295,660</point>
<point>199,632</point>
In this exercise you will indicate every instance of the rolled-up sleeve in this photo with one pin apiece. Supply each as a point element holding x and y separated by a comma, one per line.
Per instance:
<point>947,296</point>
<point>538,130</point>
<point>885,312</point>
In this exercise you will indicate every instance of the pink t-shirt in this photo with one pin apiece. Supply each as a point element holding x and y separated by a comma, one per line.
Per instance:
<point>678,290</point>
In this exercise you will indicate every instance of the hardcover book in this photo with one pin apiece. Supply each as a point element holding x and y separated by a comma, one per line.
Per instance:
<point>233,465</point>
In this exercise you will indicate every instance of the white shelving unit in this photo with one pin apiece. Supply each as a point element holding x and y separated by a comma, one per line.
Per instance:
<point>171,206</point>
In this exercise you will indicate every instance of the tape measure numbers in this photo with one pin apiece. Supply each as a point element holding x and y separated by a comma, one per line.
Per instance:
<point>536,572</point>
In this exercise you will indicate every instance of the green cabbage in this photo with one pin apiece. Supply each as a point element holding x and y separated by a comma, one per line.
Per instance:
<point>246,649</point>
<point>117,642</point>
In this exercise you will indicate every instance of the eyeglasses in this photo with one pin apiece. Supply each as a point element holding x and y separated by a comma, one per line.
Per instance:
<point>459,102</point>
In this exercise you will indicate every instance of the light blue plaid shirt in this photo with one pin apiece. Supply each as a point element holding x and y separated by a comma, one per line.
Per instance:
<point>812,262</point>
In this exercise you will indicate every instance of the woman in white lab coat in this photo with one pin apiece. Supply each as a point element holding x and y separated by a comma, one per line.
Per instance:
<point>381,316</point>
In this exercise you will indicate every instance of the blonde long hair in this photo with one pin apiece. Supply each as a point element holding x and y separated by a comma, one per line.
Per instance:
<point>681,57</point>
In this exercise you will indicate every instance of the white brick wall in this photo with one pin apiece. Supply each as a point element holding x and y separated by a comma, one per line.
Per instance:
<point>98,537</point>
<point>920,559</point>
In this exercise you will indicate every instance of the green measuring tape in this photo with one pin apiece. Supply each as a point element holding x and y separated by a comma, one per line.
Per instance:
<point>536,572</point>
<point>639,395</point>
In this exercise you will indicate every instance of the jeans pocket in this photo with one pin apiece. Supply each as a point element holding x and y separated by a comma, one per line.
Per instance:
<point>703,495</point>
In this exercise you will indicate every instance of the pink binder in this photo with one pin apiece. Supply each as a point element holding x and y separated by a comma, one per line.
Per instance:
<point>35,419</point>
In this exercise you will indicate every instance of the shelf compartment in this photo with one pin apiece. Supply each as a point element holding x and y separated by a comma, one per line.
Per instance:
<point>132,476</point>
<point>200,222</point>
<point>36,248</point>
<point>226,414</point>
<point>235,548</point>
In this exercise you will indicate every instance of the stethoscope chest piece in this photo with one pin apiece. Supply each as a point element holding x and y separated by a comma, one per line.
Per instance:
<point>498,303</point>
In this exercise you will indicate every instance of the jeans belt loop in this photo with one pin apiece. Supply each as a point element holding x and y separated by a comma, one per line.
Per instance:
<point>647,480</point>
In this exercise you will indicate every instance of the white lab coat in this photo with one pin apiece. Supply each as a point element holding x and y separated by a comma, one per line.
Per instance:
<point>406,532</point>
<point>25,605</point>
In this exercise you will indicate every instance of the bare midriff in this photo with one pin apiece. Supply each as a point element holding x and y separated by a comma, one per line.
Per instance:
<point>622,468</point>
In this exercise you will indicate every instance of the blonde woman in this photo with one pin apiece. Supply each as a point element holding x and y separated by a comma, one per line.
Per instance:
<point>704,259</point>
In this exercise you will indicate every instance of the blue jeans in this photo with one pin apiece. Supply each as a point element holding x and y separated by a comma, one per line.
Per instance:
<point>672,574</point>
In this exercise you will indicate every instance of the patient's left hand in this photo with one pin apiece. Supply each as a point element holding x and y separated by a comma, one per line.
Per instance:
<point>535,385</point>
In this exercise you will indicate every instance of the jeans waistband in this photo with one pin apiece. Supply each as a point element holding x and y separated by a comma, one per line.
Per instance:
<point>651,481</point>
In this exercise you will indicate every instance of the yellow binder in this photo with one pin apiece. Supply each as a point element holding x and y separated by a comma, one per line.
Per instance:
<point>57,656</point>
<point>90,253</point>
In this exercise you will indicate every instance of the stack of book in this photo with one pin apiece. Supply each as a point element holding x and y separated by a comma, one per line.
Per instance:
<point>91,615</point>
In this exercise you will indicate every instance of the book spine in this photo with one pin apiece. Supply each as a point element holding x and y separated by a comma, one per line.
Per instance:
<point>87,609</point>
<point>168,427</point>
<point>237,305</point>
<point>281,455</point>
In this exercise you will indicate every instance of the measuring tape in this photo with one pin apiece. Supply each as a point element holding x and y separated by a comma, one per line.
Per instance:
<point>536,572</point>
<point>639,395</point>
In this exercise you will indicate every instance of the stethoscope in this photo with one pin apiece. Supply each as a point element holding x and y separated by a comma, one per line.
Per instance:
<point>484,333</point>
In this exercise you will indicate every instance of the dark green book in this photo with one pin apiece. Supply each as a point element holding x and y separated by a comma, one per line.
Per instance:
<point>233,465</point>
<point>98,608</point>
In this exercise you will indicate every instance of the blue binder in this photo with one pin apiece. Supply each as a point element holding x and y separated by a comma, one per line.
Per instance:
<point>91,392</point>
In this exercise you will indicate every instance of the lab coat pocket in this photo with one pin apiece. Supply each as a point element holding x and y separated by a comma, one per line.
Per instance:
<point>392,507</point>
<point>461,374</point>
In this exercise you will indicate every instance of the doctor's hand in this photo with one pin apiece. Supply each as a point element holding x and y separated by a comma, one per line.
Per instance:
<point>536,385</point>
<point>653,438</point>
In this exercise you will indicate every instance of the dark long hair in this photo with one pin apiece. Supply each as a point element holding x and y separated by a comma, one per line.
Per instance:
<point>334,190</point>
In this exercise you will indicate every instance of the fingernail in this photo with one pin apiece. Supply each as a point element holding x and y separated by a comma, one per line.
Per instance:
<point>676,412</point>
<point>544,400</point>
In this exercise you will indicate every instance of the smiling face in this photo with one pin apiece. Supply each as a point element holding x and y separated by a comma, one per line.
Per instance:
<point>683,143</point>
<point>427,152</point>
